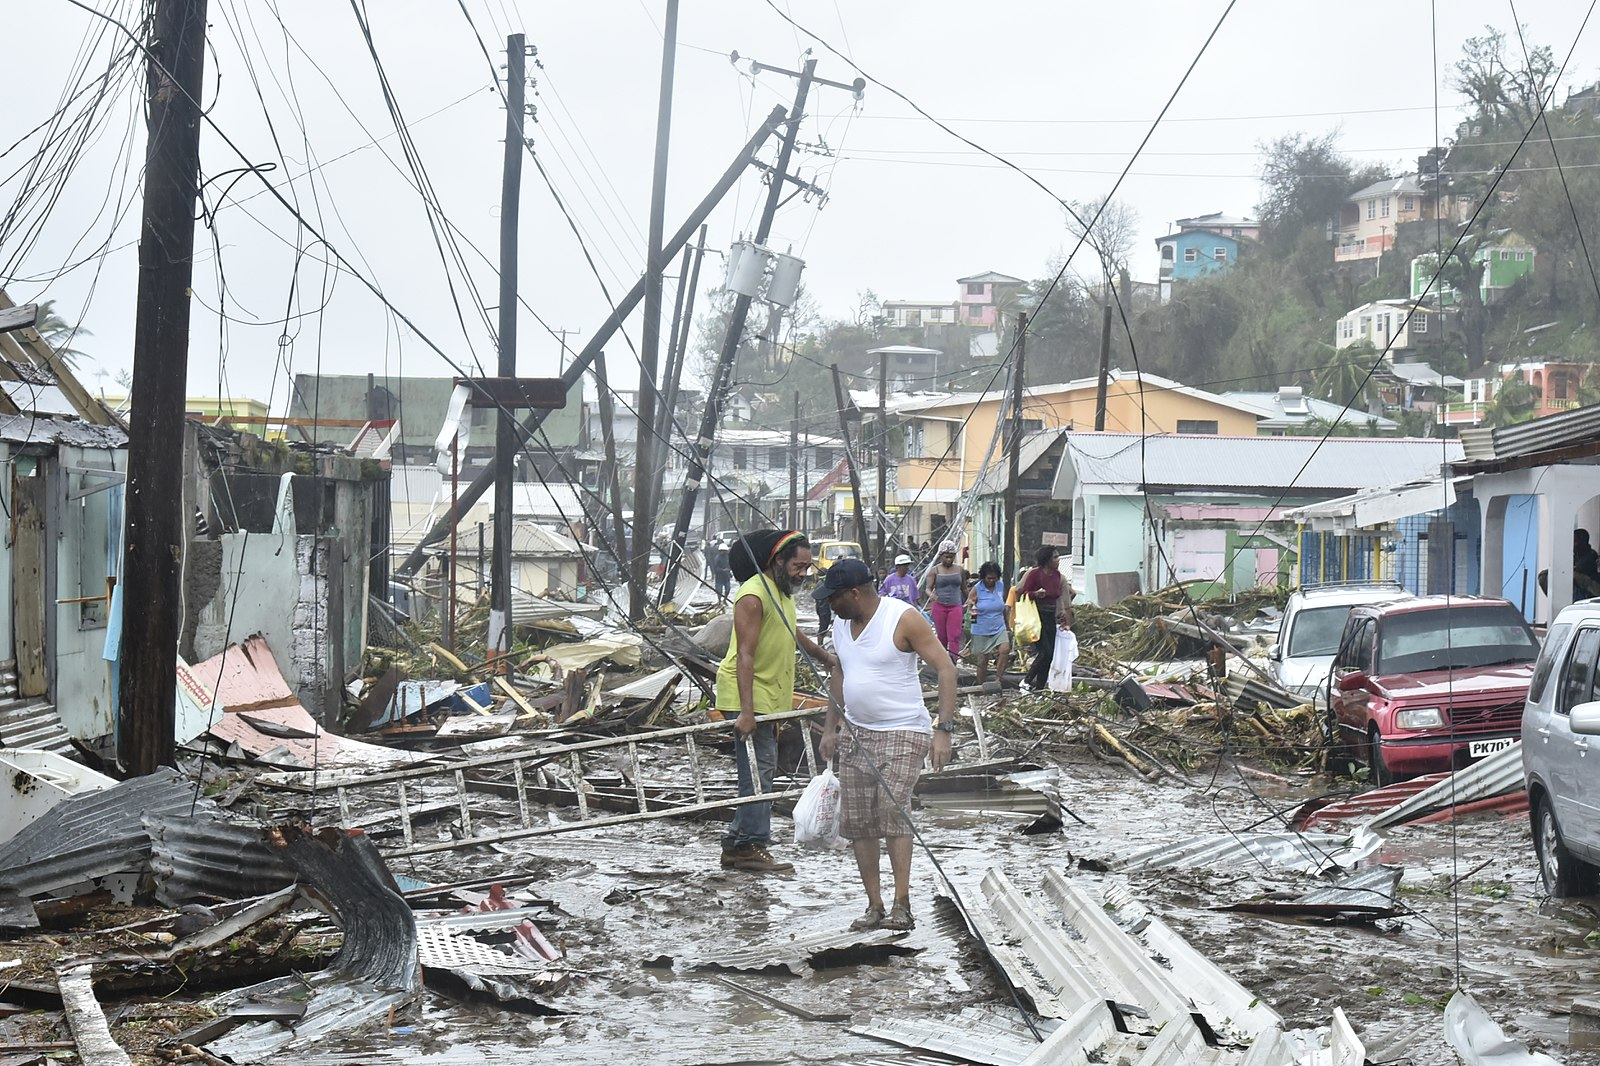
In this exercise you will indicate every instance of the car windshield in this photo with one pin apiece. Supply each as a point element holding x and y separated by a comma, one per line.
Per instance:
<point>842,551</point>
<point>1454,638</point>
<point>1316,631</point>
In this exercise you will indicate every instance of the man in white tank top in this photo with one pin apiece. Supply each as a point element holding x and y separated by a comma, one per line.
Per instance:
<point>886,732</point>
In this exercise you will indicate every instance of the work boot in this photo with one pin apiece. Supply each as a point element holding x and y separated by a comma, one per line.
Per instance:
<point>899,916</point>
<point>731,857</point>
<point>872,919</point>
<point>758,859</point>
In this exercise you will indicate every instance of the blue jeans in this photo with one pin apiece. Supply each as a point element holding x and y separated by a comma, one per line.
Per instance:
<point>724,583</point>
<point>752,823</point>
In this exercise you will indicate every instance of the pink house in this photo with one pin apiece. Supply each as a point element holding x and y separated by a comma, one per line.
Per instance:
<point>981,292</point>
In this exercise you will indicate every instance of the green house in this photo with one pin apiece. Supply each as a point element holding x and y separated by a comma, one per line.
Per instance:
<point>1504,262</point>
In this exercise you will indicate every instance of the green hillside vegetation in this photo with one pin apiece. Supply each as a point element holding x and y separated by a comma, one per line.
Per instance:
<point>1271,320</point>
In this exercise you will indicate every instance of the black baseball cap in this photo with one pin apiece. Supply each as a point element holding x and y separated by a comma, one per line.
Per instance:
<point>844,574</point>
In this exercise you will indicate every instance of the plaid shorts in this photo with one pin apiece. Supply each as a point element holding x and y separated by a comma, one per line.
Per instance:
<point>865,813</point>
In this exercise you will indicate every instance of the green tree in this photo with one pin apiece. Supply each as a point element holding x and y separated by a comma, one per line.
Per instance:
<point>1513,402</point>
<point>60,334</point>
<point>1346,378</point>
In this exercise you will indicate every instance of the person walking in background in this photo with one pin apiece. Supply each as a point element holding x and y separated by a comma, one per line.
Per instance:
<point>946,590</point>
<point>1052,594</point>
<point>721,572</point>
<point>991,623</point>
<point>900,585</point>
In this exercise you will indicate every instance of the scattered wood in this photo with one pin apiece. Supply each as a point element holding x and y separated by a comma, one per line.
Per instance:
<point>86,1020</point>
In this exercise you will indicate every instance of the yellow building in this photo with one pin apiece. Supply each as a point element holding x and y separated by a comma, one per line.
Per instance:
<point>241,411</point>
<point>950,440</point>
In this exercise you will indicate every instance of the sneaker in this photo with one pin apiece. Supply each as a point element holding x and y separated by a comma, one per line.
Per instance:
<point>731,857</point>
<point>899,917</point>
<point>872,919</point>
<point>758,859</point>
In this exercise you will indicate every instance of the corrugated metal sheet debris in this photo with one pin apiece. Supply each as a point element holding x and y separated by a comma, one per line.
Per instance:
<point>976,1035</point>
<point>1551,431</point>
<point>92,834</point>
<point>1480,1041</point>
<point>1250,691</point>
<point>334,1004</point>
<point>796,955</point>
<point>1362,895</point>
<point>207,857</point>
<point>1310,852</point>
<point>1498,775</point>
<point>25,429</point>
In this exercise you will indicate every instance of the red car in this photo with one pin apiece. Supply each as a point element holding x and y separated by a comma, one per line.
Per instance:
<point>1430,684</point>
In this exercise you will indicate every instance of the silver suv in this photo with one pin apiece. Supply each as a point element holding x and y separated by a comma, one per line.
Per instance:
<point>1562,714</point>
<point>1308,636</point>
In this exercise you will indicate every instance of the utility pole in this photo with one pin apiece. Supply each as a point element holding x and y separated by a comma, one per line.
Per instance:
<point>580,364</point>
<point>712,415</point>
<point>883,457</point>
<point>561,363</point>
<point>1105,364</point>
<point>611,482</point>
<point>152,563</point>
<point>505,434</point>
<point>794,467</point>
<point>677,344</point>
<point>849,458</point>
<point>644,495</point>
<point>1014,452</point>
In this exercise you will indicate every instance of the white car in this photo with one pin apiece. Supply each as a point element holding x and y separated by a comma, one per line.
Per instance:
<point>1308,637</point>
<point>1560,726</point>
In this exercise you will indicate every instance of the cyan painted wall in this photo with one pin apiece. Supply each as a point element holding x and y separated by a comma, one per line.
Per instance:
<point>87,535</point>
<point>1520,556</point>
<point>1205,246</point>
<point>1113,540</point>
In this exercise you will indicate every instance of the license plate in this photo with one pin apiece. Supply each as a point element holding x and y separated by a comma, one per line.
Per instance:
<point>1479,748</point>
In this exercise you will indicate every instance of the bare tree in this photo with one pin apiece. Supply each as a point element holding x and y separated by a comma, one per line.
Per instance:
<point>1109,227</point>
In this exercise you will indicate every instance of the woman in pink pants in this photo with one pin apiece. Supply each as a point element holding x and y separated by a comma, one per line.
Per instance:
<point>946,590</point>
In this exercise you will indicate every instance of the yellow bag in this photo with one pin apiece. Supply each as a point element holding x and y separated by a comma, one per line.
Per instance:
<point>1025,620</point>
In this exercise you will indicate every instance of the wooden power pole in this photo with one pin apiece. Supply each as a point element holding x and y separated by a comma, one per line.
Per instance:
<point>883,461</point>
<point>1014,453</point>
<point>794,468</point>
<point>1105,364</point>
<point>644,494</point>
<point>505,434</point>
<point>152,563</point>
<point>849,457</point>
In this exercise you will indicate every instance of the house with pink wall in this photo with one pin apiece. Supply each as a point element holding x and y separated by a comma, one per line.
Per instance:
<point>981,293</point>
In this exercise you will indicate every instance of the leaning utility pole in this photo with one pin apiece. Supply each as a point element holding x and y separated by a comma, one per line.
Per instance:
<point>505,433</point>
<point>712,415</point>
<point>883,459</point>
<point>849,458</point>
<point>677,344</point>
<point>152,563</point>
<point>1014,452</point>
<point>644,496</point>
<point>574,372</point>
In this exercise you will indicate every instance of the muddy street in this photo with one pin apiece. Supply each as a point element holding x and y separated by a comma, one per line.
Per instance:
<point>650,929</point>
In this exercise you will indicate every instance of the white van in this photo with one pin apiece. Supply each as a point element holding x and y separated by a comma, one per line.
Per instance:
<point>1308,637</point>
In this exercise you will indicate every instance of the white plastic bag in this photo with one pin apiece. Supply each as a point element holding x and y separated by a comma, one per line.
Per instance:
<point>816,816</point>
<point>1060,679</point>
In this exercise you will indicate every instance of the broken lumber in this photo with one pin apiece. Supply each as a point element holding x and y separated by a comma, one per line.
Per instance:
<point>86,1020</point>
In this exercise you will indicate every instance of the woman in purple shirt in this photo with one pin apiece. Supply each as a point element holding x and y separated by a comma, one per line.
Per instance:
<point>901,585</point>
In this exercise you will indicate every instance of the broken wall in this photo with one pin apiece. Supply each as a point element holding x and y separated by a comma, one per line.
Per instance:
<point>84,524</point>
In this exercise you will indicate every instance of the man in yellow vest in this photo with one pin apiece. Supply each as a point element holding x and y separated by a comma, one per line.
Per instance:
<point>757,678</point>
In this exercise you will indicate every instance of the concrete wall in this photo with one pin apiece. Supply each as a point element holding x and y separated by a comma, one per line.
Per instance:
<point>86,533</point>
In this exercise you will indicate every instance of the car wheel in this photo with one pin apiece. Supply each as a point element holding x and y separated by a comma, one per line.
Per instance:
<point>1379,770</point>
<point>1563,873</point>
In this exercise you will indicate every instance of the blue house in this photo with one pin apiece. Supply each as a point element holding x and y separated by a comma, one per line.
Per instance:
<point>1202,245</point>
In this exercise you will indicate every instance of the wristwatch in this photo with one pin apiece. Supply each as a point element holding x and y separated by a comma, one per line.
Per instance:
<point>945,727</point>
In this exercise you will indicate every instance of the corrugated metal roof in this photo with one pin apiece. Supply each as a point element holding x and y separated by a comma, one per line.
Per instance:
<point>24,429</point>
<point>1551,431</point>
<point>1034,447</point>
<point>1117,461</point>
<point>530,539</point>
<point>976,1035</point>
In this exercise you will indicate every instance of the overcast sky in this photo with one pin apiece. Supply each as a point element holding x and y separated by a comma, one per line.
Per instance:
<point>1065,90</point>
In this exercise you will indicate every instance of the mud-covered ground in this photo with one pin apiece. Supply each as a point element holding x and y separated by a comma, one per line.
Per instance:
<point>642,902</point>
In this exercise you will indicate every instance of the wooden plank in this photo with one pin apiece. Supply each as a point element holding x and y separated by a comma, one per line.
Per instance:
<point>90,409</point>
<point>87,1021</point>
<point>16,317</point>
<point>27,585</point>
<point>516,697</point>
